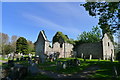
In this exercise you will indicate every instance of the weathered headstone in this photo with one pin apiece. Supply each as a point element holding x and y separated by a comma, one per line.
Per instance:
<point>64,65</point>
<point>82,55</point>
<point>90,56</point>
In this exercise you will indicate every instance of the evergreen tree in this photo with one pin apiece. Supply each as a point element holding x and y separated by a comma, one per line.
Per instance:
<point>22,46</point>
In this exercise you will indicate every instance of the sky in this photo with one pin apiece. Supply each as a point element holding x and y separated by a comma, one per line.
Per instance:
<point>27,19</point>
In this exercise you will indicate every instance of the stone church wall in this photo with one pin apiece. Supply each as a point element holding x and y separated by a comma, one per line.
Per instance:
<point>68,50</point>
<point>95,49</point>
<point>48,49</point>
<point>108,48</point>
<point>64,49</point>
<point>39,45</point>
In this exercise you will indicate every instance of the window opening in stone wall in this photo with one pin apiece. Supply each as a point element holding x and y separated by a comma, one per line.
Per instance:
<point>60,45</point>
<point>108,44</point>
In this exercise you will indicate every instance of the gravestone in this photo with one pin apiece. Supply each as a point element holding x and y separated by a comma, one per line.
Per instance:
<point>54,59</point>
<point>78,62</point>
<point>64,65</point>
<point>90,56</point>
<point>82,55</point>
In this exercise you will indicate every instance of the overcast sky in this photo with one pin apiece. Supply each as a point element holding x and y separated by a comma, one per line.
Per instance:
<point>28,19</point>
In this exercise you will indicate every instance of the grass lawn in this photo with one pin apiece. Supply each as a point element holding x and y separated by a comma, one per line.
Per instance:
<point>1,58</point>
<point>51,66</point>
<point>38,77</point>
<point>106,67</point>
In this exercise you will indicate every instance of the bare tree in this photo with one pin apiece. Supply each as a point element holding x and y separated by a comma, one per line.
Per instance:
<point>13,42</point>
<point>14,38</point>
<point>4,40</point>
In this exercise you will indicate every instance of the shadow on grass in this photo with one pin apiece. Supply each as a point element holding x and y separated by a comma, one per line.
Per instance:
<point>105,71</point>
<point>38,77</point>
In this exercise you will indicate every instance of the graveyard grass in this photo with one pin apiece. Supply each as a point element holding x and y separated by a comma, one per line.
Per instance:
<point>51,66</point>
<point>38,77</point>
<point>106,67</point>
<point>1,58</point>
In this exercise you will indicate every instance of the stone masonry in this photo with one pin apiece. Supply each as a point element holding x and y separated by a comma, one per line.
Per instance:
<point>42,46</point>
<point>103,49</point>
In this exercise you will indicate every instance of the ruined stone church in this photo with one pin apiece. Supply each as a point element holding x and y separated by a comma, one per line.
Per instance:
<point>42,46</point>
<point>103,49</point>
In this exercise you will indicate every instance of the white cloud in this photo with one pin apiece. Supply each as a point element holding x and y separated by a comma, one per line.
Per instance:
<point>47,24</point>
<point>67,9</point>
